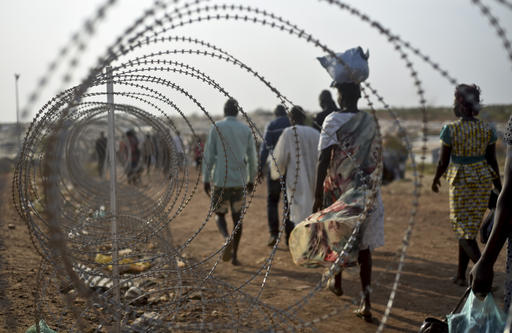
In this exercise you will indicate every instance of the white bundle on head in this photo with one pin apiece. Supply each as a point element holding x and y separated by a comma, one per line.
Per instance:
<point>353,67</point>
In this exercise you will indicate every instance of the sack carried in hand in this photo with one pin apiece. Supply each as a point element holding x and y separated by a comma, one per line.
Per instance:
<point>353,67</point>
<point>434,325</point>
<point>478,315</point>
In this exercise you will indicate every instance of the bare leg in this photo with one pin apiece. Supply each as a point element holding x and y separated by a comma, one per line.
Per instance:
<point>460,278</point>
<point>288,228</point>
<point>337,281</point>
<point>220,219</point>
<point>148,164</point>
<point>236,237</point>
<point>471,248</point>
<point>334,283</point>
<point>365,273</point>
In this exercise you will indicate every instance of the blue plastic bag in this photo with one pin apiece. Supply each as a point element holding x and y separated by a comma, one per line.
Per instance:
<point>353,69</point>
<point>477,316</point>
<point>43,328</point>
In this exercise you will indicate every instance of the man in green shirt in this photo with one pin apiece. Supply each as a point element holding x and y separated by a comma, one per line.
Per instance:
<point>229,162</point>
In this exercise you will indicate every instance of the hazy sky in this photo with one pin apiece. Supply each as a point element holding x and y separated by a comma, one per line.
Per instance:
<point>453,33</point>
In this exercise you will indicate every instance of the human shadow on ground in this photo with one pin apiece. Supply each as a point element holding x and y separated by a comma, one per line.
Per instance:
<point>420,272</point>
<point>424,289</point>
<point>378,314</point>
<point>424,286</point>
<point>312,277</point>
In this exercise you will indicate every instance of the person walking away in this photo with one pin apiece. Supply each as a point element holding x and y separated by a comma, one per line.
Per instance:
<point>327,105</point>
<point>133,167</point>
<point>155,138</point>
<point>230,164</point>
<point>147,152</point>
<point>179,151</point>
<point>198,152</point>
<point>272,132</point>
<point>347,191</point>
<point>295,157</point>
<point>101,152</point>
<point>482,274</point>
<point>470,143</point>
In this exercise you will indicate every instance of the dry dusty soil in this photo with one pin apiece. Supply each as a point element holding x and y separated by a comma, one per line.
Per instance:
<point>425,288</point>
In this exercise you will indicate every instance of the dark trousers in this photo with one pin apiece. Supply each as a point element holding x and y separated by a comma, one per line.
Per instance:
<point>273,195</point>
<point>147,161</point>
<point>101,163</point>
<point>288,228</point>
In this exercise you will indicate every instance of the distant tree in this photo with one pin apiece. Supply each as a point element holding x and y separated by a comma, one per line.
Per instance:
<point>262,112</point>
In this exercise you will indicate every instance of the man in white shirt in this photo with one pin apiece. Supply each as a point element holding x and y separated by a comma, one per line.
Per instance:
<point>295,157</point>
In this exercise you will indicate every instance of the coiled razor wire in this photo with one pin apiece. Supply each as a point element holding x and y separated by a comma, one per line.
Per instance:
<point>67,206</point>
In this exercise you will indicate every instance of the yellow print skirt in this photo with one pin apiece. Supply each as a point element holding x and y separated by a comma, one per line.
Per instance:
<point>470,186</point>
<point>467,207</point>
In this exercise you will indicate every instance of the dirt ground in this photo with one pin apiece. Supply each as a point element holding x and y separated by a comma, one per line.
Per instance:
<point>425,288</point>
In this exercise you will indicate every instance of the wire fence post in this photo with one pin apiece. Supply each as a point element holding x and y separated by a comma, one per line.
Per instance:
<point>113,194</point>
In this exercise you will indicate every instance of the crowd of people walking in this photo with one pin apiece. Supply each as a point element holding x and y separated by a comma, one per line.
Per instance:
<point>331,182</point>
<point>326,177</point>
<point>138,153</point>
<point>328,170</point>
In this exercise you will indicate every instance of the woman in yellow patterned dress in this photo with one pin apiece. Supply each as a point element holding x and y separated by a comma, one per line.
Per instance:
<point>470,143</point>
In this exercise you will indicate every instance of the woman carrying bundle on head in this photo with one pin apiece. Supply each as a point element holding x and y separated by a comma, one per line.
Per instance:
<point>468,156</point>
<point>348,219</point>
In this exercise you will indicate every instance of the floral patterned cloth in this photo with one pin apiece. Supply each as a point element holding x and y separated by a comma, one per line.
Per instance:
<point>354,170</point>
<point>508,132</point>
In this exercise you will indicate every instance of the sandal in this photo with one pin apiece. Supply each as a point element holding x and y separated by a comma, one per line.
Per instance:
<point>228,251</point>
<point>364,313</point>
<point>331,285</point>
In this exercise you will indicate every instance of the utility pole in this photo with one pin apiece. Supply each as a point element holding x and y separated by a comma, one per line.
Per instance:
<point>18,131</point>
